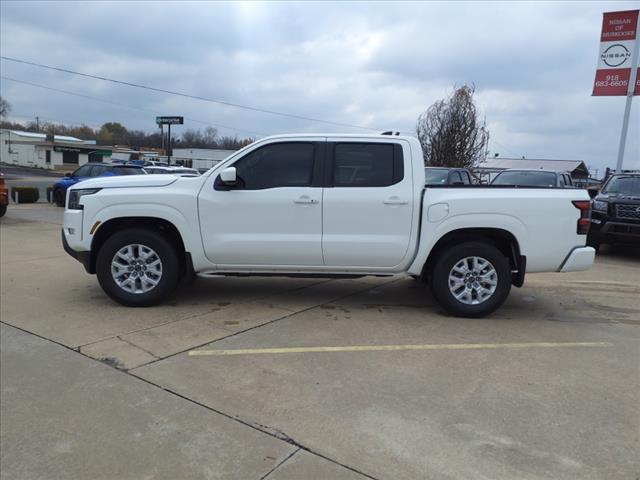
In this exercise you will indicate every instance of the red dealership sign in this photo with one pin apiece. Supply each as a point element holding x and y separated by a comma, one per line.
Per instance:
<point>617,44</point>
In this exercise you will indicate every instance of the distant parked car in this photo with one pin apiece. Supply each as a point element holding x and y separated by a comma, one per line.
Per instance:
<point>447,176</point>
<point>615,213</point>
<point>148,163</point>
<point>90,170</point>
<point>533,178</point>
<point>173,170</point>
<point>4,196</point>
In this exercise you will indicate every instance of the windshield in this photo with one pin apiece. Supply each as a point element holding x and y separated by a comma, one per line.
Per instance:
<point>623,185</point>
<point>436,175</point>
<point>527,179</point>
<point>127,171</point>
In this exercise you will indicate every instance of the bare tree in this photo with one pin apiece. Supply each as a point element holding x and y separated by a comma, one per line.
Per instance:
<point>451,132</point>
<point>5,107</point>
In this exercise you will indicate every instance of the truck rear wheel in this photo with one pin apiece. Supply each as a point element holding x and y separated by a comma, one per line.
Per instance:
<point>137,267</point>
<point>471,279</point>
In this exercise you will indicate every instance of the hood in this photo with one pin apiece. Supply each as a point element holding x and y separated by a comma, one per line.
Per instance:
<point>123,181</point>
<point>613,197</point>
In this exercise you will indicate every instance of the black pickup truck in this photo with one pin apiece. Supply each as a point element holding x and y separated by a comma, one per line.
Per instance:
<point>615,214</point>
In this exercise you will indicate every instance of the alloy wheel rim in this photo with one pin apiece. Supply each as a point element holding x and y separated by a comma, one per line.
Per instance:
<point>136,268</point>
<point>473,280</point>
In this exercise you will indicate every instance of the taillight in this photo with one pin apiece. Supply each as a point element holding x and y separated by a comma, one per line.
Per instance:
<point>585,215</point>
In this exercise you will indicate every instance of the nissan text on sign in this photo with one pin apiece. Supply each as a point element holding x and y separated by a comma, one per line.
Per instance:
<point>617,44</point>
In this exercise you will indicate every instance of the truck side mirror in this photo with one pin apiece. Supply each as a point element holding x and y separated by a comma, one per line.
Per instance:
<point>228,176</point>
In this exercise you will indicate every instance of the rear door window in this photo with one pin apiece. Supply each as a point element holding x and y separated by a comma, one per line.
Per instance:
<point>435,176</point>
<point>367,165</point>
<point>455,177</point>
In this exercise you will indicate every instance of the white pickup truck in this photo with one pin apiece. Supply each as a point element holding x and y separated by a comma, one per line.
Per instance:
<point>327,206</point>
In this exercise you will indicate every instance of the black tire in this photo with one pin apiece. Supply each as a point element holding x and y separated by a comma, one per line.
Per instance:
<point>444,265</point>
<point>3,210</point>
<point>164,250</point>
<point>59,197</point>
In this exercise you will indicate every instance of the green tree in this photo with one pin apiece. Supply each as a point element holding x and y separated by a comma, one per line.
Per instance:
<point>113,133</point>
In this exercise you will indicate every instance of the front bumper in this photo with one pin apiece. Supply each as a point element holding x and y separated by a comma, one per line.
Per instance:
<point>580,258</point>
<point>605,229</point>
<point>83,257</point>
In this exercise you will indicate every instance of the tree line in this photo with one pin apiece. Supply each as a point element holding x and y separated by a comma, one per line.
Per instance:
<point>114,133</point>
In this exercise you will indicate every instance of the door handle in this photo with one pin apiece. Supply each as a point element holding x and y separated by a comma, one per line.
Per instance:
<point>395,201</point>
<point>305,200</point>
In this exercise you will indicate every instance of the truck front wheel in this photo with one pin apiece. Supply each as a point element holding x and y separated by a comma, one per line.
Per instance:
<point>137,267</point>
<point>59,197</point>
<point>471,279</point>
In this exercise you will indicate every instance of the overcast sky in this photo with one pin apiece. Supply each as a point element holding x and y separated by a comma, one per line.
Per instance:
<point>375,65</point>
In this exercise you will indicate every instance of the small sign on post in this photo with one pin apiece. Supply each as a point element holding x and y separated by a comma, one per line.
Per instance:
<point>170,120</point>
<point>617,73</point>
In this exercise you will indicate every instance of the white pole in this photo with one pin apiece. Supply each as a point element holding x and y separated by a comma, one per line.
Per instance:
<point>630,89</point>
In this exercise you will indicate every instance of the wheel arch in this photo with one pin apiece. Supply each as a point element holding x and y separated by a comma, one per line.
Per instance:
<point>500,238</point>
<point>159,225</point>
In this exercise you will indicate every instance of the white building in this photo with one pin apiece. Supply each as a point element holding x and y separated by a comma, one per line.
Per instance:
<point>199,158</point>
<point>51,152</point>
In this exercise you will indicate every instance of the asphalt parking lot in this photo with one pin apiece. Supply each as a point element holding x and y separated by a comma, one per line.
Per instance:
<point>278,378</point>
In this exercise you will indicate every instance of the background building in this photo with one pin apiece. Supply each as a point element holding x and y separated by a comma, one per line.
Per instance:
<point>199,158</point>
<point>52,152</point>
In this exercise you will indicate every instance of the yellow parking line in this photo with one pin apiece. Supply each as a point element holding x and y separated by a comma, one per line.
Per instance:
<point>389,348</point>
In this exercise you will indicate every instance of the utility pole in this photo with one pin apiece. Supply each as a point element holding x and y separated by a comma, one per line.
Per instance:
<point>627,108</point>
<point>631,86</point>
<point>169,147</point>
<point>37,124</point>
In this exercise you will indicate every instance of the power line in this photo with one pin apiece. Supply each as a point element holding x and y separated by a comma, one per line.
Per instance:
<point>187,95</point>
<point>123,104</point>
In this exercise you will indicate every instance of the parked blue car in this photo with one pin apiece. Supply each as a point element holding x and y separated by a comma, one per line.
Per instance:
<point>91,170</point>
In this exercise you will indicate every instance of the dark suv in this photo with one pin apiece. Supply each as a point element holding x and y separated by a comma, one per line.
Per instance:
<point>615,214</point>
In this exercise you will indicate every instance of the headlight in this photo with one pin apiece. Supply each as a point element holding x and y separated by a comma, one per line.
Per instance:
<point>76,195</point>
<point>600,205</point>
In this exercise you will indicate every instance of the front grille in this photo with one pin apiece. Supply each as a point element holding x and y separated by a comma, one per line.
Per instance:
<point>628,211</point>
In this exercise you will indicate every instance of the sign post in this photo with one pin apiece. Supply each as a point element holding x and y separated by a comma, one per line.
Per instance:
<point>174,120</point>
<point>617,73</point>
